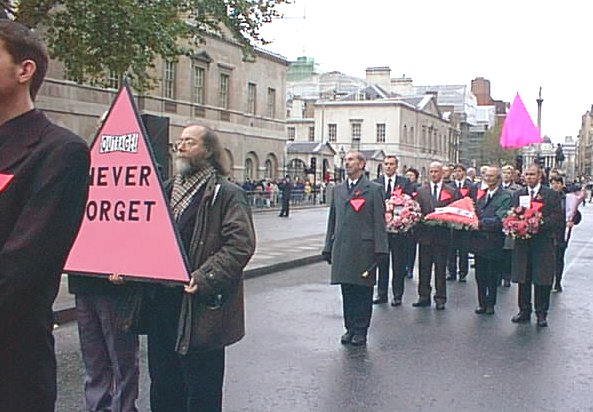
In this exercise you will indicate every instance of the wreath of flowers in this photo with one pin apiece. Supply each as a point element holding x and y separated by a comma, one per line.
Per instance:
<point>522,222</point>
<point>458,215</point>
<point>401,212</point>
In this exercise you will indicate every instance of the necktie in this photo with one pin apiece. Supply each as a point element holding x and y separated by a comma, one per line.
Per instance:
<point>459,185</point>
<point>489,197</point>
<point>434,192</point>
<point>350,186</point>
<point>532,193</point>
<point>389,188</point>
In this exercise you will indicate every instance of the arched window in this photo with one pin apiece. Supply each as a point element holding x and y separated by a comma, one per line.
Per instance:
<point>249,172</point>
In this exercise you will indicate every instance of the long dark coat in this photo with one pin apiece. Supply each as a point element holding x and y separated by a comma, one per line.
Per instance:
<point>428,234</point>
<point>40,212</point>
<point>540,249</point>
<point>355,238</point>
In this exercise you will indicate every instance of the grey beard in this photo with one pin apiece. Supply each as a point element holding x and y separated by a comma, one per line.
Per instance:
<point>184,166</point>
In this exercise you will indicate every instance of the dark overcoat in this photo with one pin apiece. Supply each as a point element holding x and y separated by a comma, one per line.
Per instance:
<point>488,240</point>
<point>354,239</point>
<point>40,213</point>
<point>429,234</point>
<point>540,249</point>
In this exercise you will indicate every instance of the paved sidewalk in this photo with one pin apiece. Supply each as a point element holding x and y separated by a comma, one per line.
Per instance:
<point>282,243</point>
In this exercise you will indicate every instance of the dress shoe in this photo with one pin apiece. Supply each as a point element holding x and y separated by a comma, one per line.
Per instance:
<point>440,306</point>
<point>489,310</point>
<point>358,340</point>
<point>557,288</point>
<point>378,300</point>
<point>521,317</point>
<point>396,302</point>
<point>409,275</point>
<point>506,283</point>
<point>346,338</point>
<point>480,309</point>
<point>462,278</point>
<point>451,277</point>
<point>421,303</point>
<point>542,322</point>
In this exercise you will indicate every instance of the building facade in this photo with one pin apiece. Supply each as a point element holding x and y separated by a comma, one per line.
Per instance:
<point>584,163</point>
<point>241,98</point>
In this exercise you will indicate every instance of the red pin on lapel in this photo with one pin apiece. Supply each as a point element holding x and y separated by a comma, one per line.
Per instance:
<point>5,180</point>
<point>444,196</point>
<point>357,203</point>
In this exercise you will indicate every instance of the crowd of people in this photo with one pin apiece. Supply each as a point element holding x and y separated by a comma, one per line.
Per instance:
<point>536,263</point>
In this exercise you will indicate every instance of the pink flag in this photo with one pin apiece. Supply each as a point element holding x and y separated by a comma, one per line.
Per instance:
<point>518,129</point>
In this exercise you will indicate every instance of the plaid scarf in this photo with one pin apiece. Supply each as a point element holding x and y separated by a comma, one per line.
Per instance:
<point>185,188</point>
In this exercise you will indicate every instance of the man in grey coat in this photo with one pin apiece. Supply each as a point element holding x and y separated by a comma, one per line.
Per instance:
<point>356,241</point>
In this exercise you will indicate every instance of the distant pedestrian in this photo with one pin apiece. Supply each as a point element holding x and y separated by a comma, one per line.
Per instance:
<point>355,242</point>
<point>43,189</point>
<point>286,191</point>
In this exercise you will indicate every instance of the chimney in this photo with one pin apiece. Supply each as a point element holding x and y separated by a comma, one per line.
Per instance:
<point>380,76</point>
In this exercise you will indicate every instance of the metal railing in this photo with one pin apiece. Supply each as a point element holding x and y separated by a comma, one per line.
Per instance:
<point>273,200</point>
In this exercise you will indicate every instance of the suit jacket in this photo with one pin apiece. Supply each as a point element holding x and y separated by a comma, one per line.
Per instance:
<point>40,213</point>
<point>488,241</point>
<point>467,188</point>
<point>400,181</point>
<point>354,239</point>
<point>428,234</point>
<point>539,250</point>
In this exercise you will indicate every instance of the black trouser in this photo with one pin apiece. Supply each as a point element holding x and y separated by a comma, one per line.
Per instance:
<point>28,364</point>
<point>187,383</point>
<point>397,252</point>
<point>433,255</point>
<point>357,303</point>
<point>560,252</point>
<point>487,280</point>
<point>458,250</point>
<point>411,247</point>
<point>541,292</point>
<point>505,264</point>
<point>285,205</point>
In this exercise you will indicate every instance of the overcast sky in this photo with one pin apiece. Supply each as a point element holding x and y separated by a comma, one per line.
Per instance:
<point>518,45</point>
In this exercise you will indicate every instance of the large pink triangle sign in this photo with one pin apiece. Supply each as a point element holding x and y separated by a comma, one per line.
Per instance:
<point>518,129</point>
<point>127,226</point>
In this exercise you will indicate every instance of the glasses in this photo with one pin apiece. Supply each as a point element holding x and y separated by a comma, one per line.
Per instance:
<point>186,141</point>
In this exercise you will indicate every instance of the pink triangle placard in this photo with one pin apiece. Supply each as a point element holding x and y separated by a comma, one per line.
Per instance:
<point>127,226</point>
<point>518,129</point>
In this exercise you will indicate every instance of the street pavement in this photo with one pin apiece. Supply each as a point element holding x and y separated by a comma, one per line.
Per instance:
<point>417,359</point>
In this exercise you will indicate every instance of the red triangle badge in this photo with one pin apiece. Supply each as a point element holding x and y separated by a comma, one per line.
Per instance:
<point>127,227</point>
<point>464,191</point>
<point>357,203</point>
<point>537,205</point>
<point>481,193</point>
<point>445,196</point>
<point>5,180</point>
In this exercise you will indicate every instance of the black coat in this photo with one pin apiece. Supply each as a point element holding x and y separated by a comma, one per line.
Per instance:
<point>540,249</point>
<point>40,213</point>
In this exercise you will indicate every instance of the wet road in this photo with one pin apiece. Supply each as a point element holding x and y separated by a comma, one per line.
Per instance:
<point>417,359</point>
